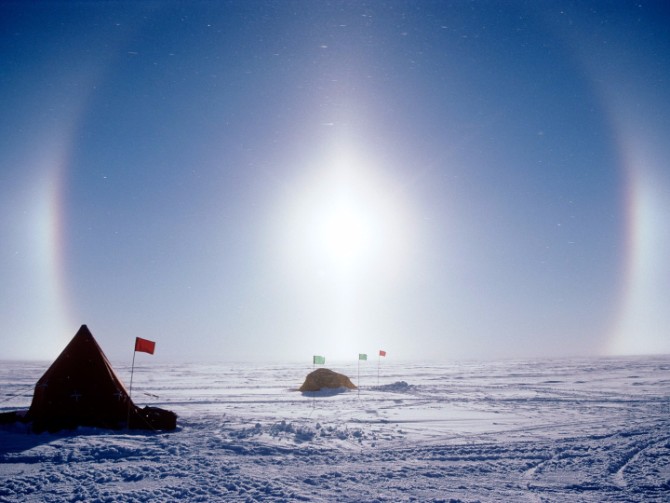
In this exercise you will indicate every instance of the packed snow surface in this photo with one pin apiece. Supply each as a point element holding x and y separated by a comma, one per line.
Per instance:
<point>552,430</point>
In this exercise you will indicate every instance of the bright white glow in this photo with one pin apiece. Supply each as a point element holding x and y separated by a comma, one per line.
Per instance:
<point>341,238</point>
<point>344,217</point>
<point>345,234</point>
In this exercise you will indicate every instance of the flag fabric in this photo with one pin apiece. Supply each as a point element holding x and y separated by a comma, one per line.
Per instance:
<point>144,345</point>
<point>319,360</point>
<point>362,356</point>
<point>382,352</point>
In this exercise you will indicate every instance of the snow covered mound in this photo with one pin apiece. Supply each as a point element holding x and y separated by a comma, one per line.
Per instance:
<point>397,387</point>
<point>557,431</point>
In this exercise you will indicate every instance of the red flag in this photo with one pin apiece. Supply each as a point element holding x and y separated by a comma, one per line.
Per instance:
<point>382,352</point>
<point>144,345</point>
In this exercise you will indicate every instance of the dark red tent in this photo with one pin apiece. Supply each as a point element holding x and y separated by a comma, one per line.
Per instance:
<point>80,388</point>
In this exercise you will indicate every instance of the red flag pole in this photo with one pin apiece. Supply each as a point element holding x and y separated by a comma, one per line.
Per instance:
<point>130,391</point>
<point>379,362</point>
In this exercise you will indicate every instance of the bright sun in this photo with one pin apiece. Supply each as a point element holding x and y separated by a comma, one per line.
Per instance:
<point>344,221</point>
<point>345,233</point>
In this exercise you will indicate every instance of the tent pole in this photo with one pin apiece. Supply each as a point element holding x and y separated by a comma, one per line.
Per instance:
<point>130,391</point>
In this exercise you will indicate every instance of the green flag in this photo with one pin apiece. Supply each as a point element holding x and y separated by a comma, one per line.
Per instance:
<point>362,356</point>
<point>319,360</point>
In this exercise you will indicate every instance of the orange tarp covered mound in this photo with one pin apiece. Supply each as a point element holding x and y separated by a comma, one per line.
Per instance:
<point>326,378</point>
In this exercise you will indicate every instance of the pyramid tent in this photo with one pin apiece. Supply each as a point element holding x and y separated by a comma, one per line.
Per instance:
<point>80,388</point>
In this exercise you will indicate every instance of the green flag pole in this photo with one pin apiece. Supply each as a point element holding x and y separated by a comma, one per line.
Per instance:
<point>361,356</point>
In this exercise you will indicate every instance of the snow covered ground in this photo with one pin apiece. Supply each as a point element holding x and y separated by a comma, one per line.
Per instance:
<point>589,430</point>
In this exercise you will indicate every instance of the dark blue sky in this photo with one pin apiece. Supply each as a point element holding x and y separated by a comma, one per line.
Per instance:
<point>273,180</point>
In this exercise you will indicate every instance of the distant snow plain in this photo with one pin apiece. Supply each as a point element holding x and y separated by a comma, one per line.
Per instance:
<point>578,430</point>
